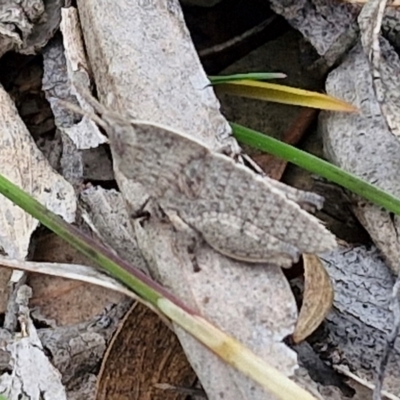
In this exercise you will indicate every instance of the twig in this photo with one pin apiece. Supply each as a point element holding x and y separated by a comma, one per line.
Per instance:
<point>237,39</point>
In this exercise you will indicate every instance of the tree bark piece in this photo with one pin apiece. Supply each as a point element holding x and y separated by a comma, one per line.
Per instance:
<point>362,144</point>
<point>144,62</point>
<point>23,163</point>
<point>27,26</point>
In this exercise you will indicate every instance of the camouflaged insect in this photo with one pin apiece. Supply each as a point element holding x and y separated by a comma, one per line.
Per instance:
<point>239,213</point>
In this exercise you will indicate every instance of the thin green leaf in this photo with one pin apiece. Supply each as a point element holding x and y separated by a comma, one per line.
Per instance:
<point>121,270</point>
<point>316,165</point>
<point>234,353</point>
<point>284,94</point>
<point>255,76</point>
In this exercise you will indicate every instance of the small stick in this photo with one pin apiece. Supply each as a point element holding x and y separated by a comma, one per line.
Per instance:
<point>237,39</point>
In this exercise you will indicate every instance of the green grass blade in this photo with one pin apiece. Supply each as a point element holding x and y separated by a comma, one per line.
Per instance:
<point>226,347</point>
<point>316,165</point>
<point>131,277</point>
<point>254,76</point>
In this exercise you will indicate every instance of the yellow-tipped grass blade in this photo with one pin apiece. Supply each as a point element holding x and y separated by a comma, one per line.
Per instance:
<point>284,94</point>
<point>235,354</point>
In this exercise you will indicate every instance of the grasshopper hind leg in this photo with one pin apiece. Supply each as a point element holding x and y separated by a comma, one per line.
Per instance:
<point>243,241</point>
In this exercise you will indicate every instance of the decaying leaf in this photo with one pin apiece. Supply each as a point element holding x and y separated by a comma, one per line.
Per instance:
<point>84,134</point>
<point>317,297</point>
<point>143,354</point>
<point>64,300</point>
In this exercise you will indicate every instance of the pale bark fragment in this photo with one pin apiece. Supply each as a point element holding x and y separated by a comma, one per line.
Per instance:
<point>331,25</point>
<point>362,143</point>
<point>27,26</point>
<point>33,376</point>
<point>23,163</point>
<point>81,138</point>
<point>104,211</point>
<point>144,62</point>
<point>357,327</point>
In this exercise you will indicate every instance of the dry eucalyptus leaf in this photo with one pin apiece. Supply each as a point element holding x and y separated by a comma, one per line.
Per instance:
<point>384,62</point>
<point>5,275</point>
<point>65,63</point>
<point>74,272</point>
<point>64,300</point>
<point>393,3</point>
<point>317,298</point>
<point>73,43</point>
<point>23,164</point>
<point>143,353</point>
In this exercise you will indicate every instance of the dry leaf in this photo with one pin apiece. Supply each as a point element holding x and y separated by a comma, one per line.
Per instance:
<point>317,298</point>
<point>143,354</point>
<point>64,300</point>
<point>63,64</point>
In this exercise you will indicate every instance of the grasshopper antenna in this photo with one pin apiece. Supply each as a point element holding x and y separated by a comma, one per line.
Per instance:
<point>83,93</point>
<point>84,113</point>
<point>85,98</point>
